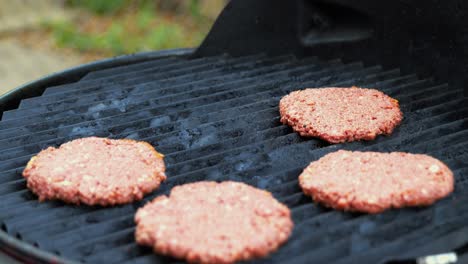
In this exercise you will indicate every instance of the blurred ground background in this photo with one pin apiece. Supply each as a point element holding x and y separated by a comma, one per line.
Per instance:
<point>39,37</point>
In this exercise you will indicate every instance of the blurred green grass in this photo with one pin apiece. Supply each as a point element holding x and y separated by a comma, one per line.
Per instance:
<point>130,26</point>
<point>100,7</point>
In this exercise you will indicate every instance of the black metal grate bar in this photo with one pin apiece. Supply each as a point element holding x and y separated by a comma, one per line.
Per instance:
<point>128,68</point>
<point>217,119</point>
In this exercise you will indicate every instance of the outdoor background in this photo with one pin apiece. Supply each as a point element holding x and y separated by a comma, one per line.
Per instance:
<point>39,37</point>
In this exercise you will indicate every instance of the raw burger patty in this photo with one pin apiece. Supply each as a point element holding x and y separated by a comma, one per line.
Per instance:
<point>372,182</point>
<point>213,222</point>
<point>96,171</point>
<point>340,114</point>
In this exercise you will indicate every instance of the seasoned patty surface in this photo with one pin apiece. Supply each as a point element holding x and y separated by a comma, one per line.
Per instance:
<point>340,114</point>
<point>96,171</point>
<point>213,222</point>
<point>372,182</point>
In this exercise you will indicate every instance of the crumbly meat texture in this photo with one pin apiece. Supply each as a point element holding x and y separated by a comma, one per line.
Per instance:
<point>211,222</point>
<point>340,114</point>
<point>96,171</point>
<point>372,182</point>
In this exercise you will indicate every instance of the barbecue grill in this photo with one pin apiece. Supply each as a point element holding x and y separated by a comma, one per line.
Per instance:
<point>213,112</point>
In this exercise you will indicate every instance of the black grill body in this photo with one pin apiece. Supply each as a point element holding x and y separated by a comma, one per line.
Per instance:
<point>215,117</point>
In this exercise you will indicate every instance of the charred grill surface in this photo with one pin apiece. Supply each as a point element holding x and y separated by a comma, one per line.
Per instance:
<point>216,118</point>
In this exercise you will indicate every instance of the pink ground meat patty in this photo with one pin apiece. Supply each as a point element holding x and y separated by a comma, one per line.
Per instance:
<point>373,182</point>
<point>340,114</point>
<point>213,222</point>
<point>96,171</point>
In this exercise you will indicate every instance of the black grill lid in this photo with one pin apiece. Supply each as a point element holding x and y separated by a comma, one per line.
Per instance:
<point>428,37</point>
<point>216,118</point>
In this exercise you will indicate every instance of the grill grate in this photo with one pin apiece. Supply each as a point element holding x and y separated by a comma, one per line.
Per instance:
<point>216,118</point>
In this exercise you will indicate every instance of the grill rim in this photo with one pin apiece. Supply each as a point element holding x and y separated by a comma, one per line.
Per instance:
<point>11,245</point>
